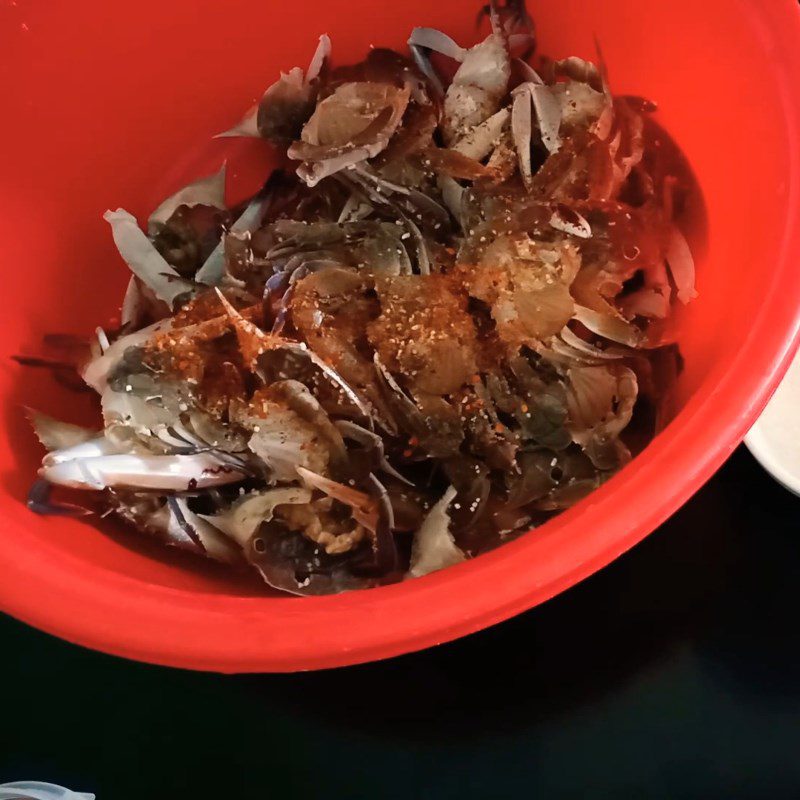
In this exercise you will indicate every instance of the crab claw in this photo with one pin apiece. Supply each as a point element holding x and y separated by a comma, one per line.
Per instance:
<point>92,448</point>
<point>253,342</point>
<point>363,506</point>
<point>548,117</point>
<point>170,473</point>
<point>432,39</point>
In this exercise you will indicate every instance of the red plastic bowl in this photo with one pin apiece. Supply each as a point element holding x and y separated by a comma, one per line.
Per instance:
<point>102,101</point>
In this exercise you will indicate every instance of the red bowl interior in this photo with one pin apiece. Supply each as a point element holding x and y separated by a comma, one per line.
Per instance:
<point>111,104</point>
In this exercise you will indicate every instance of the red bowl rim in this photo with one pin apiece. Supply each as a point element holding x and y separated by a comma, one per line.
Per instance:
<point>107,611</point>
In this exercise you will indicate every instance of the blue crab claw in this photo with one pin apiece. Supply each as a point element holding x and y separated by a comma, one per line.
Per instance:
<point>169,473</point>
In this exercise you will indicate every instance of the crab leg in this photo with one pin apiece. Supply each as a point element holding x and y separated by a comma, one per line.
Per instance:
<point>170,473</point>
<point>93,448</point>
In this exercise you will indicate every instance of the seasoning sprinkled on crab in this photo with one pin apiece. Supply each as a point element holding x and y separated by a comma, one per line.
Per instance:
<point>443,321</point>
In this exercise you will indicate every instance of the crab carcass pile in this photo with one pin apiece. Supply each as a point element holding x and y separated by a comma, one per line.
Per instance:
<point>444,320</point>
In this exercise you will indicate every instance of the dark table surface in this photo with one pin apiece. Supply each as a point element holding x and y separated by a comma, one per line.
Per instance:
<point>673,673</point>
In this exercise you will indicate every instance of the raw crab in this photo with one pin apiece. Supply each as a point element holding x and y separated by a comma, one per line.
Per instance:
<point>438,331</point>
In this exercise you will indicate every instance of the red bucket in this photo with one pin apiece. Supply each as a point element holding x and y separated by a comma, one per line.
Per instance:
<point>110,104</point>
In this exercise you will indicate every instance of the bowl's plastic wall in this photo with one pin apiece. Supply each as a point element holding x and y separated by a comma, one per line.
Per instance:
<point>111,104</point>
